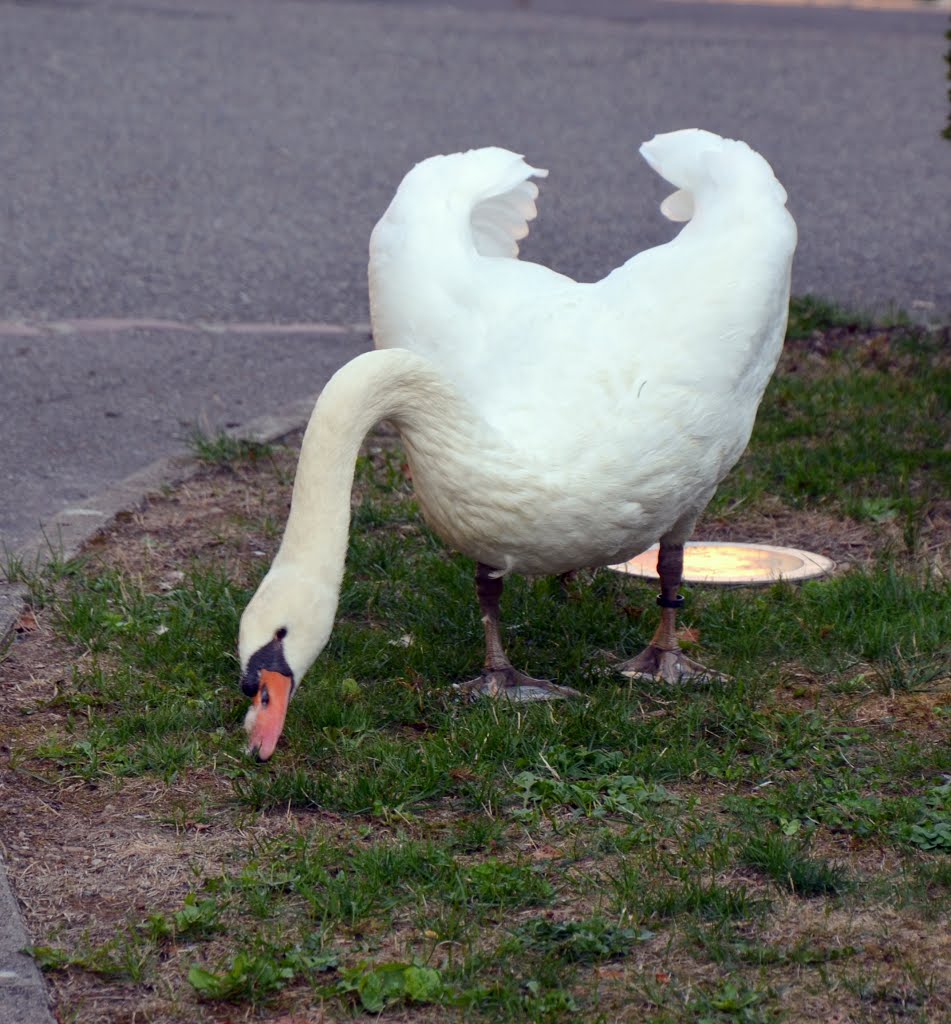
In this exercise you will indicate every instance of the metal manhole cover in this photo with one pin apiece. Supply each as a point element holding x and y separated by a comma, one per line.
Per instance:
<point>726,563</point>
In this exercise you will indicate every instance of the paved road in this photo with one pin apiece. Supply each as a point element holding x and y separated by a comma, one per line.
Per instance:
<point>223,161</point>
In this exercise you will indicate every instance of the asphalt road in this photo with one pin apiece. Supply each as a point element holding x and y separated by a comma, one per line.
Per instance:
<point>223,162</point>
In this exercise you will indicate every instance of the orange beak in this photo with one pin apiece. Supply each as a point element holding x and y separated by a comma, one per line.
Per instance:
<point>265,718</point>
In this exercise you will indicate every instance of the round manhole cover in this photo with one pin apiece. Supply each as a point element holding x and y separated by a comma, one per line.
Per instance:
<point>727,563</point>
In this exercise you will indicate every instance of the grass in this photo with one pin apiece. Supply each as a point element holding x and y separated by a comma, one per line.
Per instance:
<point>790,867</point>
<point>742,851</point>
<point>856,428</point>
<point>223,448</point>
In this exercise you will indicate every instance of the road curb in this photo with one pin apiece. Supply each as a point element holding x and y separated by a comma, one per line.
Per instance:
<point>24,996</point>
<point>66,533</point>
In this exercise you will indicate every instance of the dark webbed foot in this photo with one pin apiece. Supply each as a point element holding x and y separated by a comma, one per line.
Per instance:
<point>673,666</point>
<point>499,679</point>
<point>663,658</point>
<point>507,683</point>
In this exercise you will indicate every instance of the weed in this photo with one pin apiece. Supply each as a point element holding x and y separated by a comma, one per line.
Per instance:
<point>493,883</point>
<point>223,449</point>
<point>478,832</point>
<point>43,575</point>
<point>125,956</point>
<point>197,919</point>
<point>933,829</point>
<point>248,977</point>
<point>592,797</point>
<point>788,865</point>
<point>377,986</point>
<point>590,941</point>
<point>737,1004</point>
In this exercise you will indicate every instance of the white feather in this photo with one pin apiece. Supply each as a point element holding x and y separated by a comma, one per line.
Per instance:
<point>550,425</point>
<point>625,401</point>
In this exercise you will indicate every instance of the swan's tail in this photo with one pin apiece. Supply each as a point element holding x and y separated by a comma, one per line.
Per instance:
<point>700,163</point>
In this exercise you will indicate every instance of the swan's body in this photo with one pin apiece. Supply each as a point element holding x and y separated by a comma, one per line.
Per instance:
<point>549,425</point>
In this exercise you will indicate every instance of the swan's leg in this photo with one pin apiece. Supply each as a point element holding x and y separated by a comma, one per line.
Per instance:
<point>663,658</point>
<point>499,678</point>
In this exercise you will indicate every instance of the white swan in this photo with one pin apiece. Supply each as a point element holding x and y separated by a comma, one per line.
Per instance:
<point>549,425</point>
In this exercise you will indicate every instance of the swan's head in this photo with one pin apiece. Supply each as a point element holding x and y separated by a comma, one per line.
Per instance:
<point>283,629</point>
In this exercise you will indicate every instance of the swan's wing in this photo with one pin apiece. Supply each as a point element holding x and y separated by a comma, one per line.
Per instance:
<point>500,221</point>
<point>483,198</point>
<point>705,166</point>
<point>443,271</point>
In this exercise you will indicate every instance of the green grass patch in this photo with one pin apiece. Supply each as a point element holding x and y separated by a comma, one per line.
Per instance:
<point>224,449</point>
<point>812,314</point>
<point>791,867</point>
<point>409,855</point>
<point>856,428</point>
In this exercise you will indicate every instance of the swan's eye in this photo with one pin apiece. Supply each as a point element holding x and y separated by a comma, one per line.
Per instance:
<point>281,633</point>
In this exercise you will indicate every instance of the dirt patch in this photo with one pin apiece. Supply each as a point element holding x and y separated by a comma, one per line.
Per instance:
<point>872,347</point>
<point>230,516</point>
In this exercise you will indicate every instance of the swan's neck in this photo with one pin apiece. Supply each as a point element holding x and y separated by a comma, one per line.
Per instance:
<point>388,384</point>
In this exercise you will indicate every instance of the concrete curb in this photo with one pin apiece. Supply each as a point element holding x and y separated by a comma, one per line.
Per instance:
<point>23,994</point>
<point>24,997</point>
<point>65,534</point>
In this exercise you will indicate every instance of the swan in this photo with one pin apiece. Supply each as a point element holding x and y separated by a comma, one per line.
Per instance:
<point>549,425</point>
